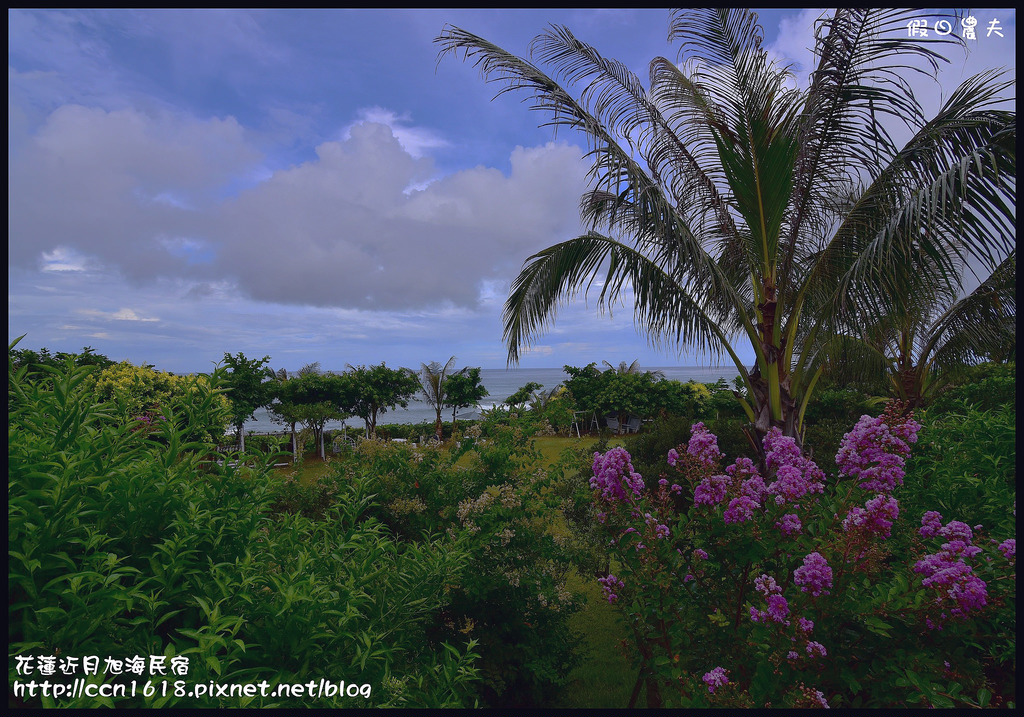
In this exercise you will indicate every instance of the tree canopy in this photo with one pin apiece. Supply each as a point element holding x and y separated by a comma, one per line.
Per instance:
<point>728,205</point>
<point>378,389</point>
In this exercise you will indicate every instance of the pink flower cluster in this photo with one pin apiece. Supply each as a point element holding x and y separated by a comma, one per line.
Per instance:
<point>960,590</point>
<point>614,476</point>
<point>718,677</point>
<point>875,517</point>
<point>795,475</point>
<point>875,452</point>
<point>814,576</point>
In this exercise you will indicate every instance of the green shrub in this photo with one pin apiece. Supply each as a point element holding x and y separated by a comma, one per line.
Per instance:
<point>512,596</point>
<point>122,542</point>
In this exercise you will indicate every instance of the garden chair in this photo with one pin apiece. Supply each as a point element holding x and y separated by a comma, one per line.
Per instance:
<point>633,425</point>
<point>613,424</point>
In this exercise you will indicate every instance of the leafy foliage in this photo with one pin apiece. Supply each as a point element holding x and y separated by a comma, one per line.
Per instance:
<point>121,545</point>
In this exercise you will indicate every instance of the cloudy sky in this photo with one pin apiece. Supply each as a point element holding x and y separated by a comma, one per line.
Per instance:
<point>311,185</point>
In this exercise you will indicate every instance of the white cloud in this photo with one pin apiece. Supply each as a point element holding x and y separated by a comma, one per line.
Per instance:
<point>119,315</point>
<point>417,141</point>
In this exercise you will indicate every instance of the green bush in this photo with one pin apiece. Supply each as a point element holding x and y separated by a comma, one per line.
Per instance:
<point>121,544</point>
<point>512,596</point>
<point>983,387</point>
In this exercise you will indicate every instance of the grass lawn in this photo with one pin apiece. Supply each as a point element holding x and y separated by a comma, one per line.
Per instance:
<point>605,678</point>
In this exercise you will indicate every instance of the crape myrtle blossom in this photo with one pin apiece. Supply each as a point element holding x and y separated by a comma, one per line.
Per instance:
<point>816,648</point>
<point>712,490</point>
<point>959,590</point>
<point>875,517</point>
<point>1009,548</point>
<point>740,509</point>
<point>931,524</point>
<point>611,585</point>
<point>814,576</point>
<point>718,677</point>
<point>875,451</point>
<point>789,524</point>
<point>778,608</point>
<point>614,476</point>
<point>703,445</point>
<point>795,476</point>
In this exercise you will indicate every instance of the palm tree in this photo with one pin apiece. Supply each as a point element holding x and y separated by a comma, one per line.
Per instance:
<point>432,378</point>
<point>624,368</point>
<point>919,349</point>
<point>736,208</point>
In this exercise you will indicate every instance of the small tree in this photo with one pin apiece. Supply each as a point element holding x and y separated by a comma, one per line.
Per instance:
<point>433,384</point>
<point>464,389</point>
<point>523,394</point>
<point>247,389</point>
<point>377,389</point>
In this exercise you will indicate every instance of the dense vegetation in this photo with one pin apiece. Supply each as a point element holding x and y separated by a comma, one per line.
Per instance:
<point>800,541</point>
<point>440,575</point>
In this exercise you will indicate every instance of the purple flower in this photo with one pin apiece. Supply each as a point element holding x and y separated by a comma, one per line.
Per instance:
<point>816,647</point>
<point>700,554</point>
<point>805,624</point>
<point>778,608</point>
<point>947,572</point>
<point>795,476</point>
<point>875,517</point>
<point>875,454</point>
<point>793,654</point>
<point>703,446</point>
<point>766,585</point>
<point>711,490</point>
<point>673,457</point>
<point>819,697</point>
<point>789,524</point>
<point>1008,548</point>
<point>614,476</point>
<point>957,530</point>
<point>814,576</point>
<point>740,509</point>
<point>610,585</point>
<point>931,524</point>
<point>718,677</point>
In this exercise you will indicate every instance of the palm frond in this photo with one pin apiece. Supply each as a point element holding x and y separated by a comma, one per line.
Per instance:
<point>664,310</point>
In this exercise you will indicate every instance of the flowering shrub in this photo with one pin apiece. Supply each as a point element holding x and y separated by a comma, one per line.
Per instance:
<point>779,586</point>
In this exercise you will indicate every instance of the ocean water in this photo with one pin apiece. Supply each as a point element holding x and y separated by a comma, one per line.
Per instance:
<point>500,384</point>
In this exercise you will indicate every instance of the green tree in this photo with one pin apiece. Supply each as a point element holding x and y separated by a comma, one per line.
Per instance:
<point>735,207</point>
<point>378,389</point>
<point>523,394</point>
<point>464,389</point>
<point>35,360</point>
<point>248,389</point>
<point>313,398</point>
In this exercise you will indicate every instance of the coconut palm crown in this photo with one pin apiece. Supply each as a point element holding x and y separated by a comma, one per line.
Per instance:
<point>919,350</point>
<point>729,206</point>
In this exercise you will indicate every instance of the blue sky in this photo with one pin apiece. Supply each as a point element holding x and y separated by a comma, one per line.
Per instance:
<point>311,185</point>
